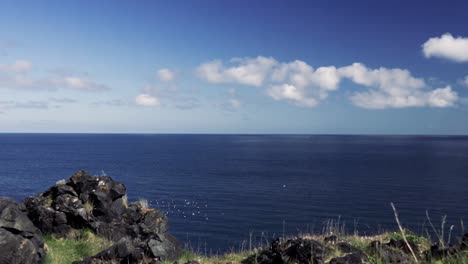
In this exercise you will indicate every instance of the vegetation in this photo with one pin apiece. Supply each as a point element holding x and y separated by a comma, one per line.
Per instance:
<point>86,244</point>
<point>76,247</point>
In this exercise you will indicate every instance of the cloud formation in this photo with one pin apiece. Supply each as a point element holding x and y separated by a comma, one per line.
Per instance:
<point>394,88</point>
<point>21,75</point>
<point>147,100</point>
<point>165,75</point>
<point>248,71</point>
<point>35,104</point>
<point>447,47</point>
<point>300,84</point>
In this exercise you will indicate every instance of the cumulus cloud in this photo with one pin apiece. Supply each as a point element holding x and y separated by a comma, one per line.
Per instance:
<point>21,75</point>
<point>447,47</point>
<point>394,88</point>
<point>300,84</point>
<point>249,71</point>
<point>291,93</point>
<point>165,75</point>
<point>296,82</point>
<point>147,100</point>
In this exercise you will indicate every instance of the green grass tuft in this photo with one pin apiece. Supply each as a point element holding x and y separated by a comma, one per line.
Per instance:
<point>61,250</point>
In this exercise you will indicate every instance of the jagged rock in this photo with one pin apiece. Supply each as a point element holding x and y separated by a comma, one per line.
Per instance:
<point>20,240</point>
<point>164,246</point>
<point>99,203</point>
<point>304,251</point>
<point>352,258</point>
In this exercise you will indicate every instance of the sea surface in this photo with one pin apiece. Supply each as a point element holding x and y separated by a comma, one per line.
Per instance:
<point>220,191</point>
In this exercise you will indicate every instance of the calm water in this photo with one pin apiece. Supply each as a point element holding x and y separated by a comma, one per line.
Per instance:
<point>216,189</point>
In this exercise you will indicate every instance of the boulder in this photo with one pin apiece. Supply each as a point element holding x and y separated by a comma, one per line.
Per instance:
<point>20,240</point>
<point>304,251</point>
<point>297,250</point>
<point>123,251</point>
<point>99,204</point>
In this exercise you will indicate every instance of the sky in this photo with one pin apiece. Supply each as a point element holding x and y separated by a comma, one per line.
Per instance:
<point>260,67</point>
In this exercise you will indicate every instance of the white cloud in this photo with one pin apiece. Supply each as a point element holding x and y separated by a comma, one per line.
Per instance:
<point>442,97</point>
<point>296,82</point>
<point>165,75</point>
<point>20,75</point>
<point>147,100</point>
<point>447,47</point>
<point>80,84</point>
<point>292,94</point>
<point>19,66</point>
<point>35,104</point>
<point>394,88</point>
<point>248,71</point>
<point>300,84</point>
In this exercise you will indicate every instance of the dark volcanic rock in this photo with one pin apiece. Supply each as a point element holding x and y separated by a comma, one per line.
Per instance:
<point>303,251</point>
<point>20,240</point>
<point>99,203</point>
<point>123,251</point>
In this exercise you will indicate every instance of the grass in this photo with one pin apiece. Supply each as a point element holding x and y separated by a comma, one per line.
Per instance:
<point>143,203</point>
<point>88,206</point>
<point>84,244</point>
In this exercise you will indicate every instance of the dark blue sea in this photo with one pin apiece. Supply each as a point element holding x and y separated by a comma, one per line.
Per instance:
<point>218,189</point>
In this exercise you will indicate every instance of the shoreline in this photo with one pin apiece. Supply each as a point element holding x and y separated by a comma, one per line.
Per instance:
<point>88,219</point>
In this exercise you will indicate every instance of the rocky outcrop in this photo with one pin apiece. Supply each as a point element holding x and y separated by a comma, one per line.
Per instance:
<point>100,204</point>
<point>20,240</point>
<point>291,251</point>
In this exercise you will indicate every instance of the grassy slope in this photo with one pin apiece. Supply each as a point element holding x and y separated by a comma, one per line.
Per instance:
<point>87,244</point>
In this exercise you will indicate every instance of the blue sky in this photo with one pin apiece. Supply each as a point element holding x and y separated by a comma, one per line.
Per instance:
<point>330,67</point>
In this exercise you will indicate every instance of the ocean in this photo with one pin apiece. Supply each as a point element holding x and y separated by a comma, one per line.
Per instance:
<point>219,191</point>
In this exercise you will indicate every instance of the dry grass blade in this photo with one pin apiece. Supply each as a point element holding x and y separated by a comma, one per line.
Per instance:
<point>403,233</point>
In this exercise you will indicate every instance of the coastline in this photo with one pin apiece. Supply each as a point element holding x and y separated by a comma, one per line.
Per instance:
<point>87,219</point>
